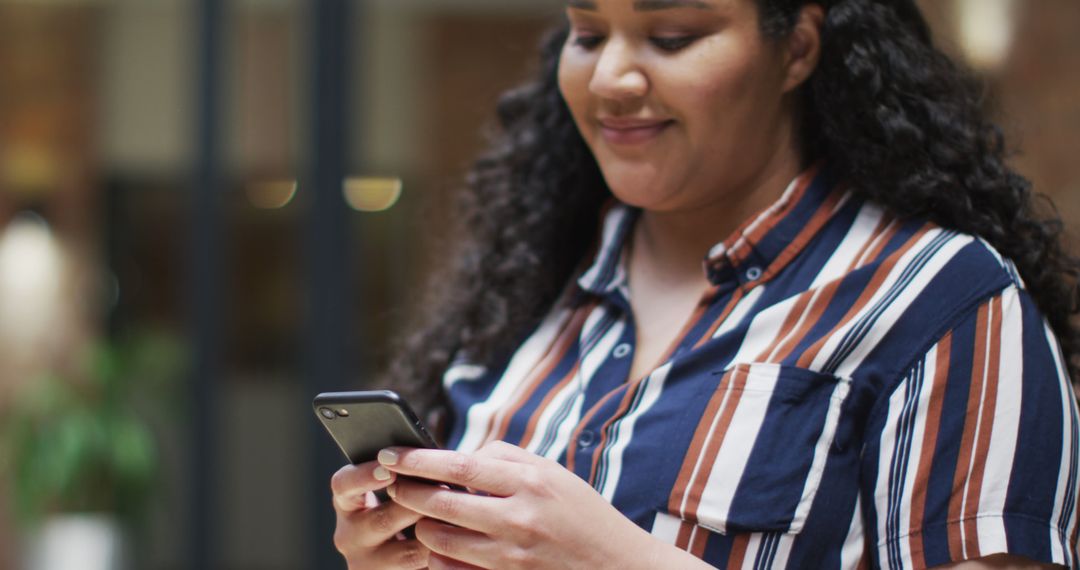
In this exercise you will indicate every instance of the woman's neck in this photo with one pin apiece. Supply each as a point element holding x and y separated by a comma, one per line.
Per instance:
<point>672,244</point>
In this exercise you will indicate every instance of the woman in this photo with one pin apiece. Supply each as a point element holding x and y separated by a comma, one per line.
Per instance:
<point>861,376</point>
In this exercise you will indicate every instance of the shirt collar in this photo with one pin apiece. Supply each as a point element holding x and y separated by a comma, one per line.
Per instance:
<point>608,271</point>
<point>755,251</point>
<point>768,241</point>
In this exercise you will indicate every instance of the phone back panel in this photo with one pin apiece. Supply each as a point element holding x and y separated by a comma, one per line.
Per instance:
<point>383,420</point>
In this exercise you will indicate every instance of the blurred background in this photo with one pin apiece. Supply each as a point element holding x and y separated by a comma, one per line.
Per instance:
<point>211,210</point>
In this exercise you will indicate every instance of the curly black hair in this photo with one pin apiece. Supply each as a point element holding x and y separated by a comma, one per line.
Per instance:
<point>902,122</point>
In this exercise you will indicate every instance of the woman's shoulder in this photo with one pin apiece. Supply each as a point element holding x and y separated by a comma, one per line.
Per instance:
<point>897,287</point>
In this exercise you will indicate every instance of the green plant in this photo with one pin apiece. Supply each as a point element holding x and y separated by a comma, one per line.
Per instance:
<point>82,443</point>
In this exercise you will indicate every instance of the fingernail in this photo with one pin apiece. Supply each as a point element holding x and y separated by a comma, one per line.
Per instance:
<point>382,474</point>
<point>388,457</point>
<point>392,491</point>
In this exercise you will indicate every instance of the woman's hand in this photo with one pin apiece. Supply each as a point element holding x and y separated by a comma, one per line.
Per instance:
<point>368,533</point>
<point>536,513</point>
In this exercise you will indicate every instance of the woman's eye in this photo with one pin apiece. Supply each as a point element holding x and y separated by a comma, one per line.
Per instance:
<point>672,44</point>
<point>588,42</point>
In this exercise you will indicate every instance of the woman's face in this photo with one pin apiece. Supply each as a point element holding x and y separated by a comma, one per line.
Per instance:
<point>682,102</point>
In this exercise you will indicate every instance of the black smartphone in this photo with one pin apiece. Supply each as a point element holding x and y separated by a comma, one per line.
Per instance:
<point>362,423</point>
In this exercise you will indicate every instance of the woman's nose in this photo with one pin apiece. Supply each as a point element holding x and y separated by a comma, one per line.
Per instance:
<point>617,74</point>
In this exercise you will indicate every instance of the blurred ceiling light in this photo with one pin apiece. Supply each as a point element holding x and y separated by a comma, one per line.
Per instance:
<point>367,194</point>
<point>271,194</point>
<point>31,270</point>
<point>985,30</point>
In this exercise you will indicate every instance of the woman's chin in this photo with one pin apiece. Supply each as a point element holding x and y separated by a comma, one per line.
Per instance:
<point>646,197</point>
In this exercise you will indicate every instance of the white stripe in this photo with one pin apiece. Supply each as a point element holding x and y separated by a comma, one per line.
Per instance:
<point>653,385</point>
<point>1001,456</point>
<point>698,464</point>
<point>769,213</point>
<point>855,542</point>
<point>601,351</point>
<point>821,452</point>
<point>783,550</point>
<point>887,446</point>
<point>566,429</point>
<point>612,222</point>
<point>895,308</point>
<point>752,547</point>
<point>978,427</point>
<point>575,389</point>
<point>1062,553</point>
<point>740,311</point>
<point>764,330</point>
<point>666,527</point>
<point>738,443</point>
<point>569,395</point>
<point>885,234</point>
<point>460,372</point>
<point>523,362</point>
<point>914,456</point>
<point>836,267</point>
<point>780,343</point>
<point>861,231</point>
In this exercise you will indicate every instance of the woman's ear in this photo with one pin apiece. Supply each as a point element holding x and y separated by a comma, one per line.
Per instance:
<point>804,46</point>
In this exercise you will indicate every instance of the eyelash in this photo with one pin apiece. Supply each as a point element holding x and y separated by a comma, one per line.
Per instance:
<point>670,45</point>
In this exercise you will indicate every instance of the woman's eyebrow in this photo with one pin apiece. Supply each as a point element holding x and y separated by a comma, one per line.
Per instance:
<point>647,5</point>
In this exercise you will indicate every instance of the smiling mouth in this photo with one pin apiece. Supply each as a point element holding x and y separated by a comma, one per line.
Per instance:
<point>626,132</point>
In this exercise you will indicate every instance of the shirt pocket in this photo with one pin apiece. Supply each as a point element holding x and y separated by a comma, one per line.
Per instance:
<point>759,449</point>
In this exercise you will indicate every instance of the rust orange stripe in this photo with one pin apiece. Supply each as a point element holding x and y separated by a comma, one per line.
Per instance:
<point>817,309</point>
<point>697,443</point>
<point>957,539</point>
<point>872,287</point>
<point>986,427</point>
<point>530,429</point>
<point>755,235</point>
<point>707,460</point>
<point>585,420</point>
<point>500,422</point>
<point>878,239</point>
<point>812,228</point>
<point>632,388</point>
<point>686,530</point>
<point>734,302</point>
<point>699,542</point>
<point>929,443</point>
<point>739,547</point>
<point>792,319</point>
<point>828,292</point>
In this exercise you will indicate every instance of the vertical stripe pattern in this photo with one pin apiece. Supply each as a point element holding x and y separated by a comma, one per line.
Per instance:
<point>853,391</point>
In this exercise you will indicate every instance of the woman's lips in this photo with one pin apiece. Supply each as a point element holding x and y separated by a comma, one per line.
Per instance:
<point>631,132</point>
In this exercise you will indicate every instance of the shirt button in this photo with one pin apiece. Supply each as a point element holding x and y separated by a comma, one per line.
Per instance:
<point>585,439</point>
<point>622,350</point>
<point>753,273</point>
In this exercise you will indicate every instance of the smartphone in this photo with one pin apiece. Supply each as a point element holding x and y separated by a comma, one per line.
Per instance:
<point>362,423</point>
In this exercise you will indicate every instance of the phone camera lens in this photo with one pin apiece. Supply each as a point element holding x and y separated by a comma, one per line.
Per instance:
<point>343,413</point>
<point>327,413</point>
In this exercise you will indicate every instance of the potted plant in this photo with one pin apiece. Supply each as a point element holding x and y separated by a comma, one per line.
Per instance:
<point>82,455</point>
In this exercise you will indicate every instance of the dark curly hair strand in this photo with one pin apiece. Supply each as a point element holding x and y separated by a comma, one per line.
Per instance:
<point>902,122</point>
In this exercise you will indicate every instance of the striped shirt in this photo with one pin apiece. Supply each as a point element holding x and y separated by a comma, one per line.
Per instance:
<point>854,390</point>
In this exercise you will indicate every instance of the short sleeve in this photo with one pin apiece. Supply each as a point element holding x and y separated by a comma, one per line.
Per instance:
<point>974,452</point>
